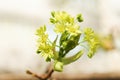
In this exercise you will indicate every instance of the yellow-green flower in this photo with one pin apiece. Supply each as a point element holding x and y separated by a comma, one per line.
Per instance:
<point>64,22</point>
<point>61,17</point>
<point>89,34</point>
<point>59,28</point>
<point>44,46</point>
<point>43,38</point>
<point>46,50</point>
<point>41,30</point>
<point>79,18</point>
<point>73,29</point>
<point>92,40</point>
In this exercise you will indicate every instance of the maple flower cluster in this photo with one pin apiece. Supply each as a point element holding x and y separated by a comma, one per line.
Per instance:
<point>69,33</point>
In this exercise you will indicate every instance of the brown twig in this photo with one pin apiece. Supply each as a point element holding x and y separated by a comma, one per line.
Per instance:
<point>33,74</point>
<point>42,77</point>
<point>48,75</point>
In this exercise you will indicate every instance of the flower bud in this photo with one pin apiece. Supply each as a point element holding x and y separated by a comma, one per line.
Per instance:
<point>58,66</point>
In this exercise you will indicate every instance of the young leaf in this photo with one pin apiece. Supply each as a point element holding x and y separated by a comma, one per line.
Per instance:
<point>72,58</point>
<point>72,43</point>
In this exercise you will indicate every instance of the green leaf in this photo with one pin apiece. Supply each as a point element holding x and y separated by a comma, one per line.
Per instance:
<point>64,37</point>
<point>72,58</point>
<point>72,43</point>
<point>54,45</point>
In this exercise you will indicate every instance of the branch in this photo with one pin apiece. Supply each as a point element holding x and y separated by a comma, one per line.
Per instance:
<point>44,76</point>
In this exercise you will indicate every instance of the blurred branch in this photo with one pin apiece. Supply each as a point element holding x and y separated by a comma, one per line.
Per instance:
<point>41,77</point>
<point>48,73</point>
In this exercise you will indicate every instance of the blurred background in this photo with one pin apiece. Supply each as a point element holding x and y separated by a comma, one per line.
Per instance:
<point>19,20</point>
